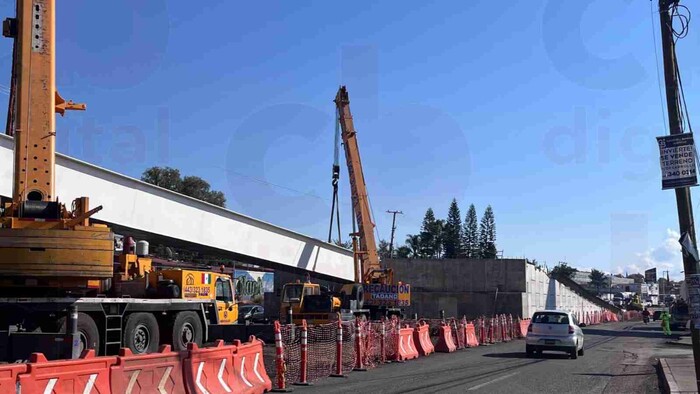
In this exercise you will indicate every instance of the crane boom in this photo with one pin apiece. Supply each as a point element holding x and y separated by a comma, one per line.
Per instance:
<point>367,251</point>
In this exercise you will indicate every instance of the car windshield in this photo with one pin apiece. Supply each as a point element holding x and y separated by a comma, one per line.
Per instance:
<point>245,308</point>
<point>550,318</point>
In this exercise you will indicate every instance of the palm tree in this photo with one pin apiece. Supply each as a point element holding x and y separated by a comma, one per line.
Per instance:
<point>414,244</point>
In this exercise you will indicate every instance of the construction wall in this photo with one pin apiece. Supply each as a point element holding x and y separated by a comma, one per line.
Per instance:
<point>476,287</point>
<point>468,287</point>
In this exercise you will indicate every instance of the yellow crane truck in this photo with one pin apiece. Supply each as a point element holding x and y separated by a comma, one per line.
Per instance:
<point>374,293</point>
<point>57,269</point>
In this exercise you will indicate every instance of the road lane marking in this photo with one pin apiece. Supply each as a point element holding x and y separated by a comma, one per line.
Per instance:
<point>492,381</point>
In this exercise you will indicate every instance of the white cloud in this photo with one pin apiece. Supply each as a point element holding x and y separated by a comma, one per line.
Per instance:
<point>666,256</point>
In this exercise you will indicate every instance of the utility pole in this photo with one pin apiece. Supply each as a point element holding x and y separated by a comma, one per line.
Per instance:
<point>393,229</point>
<point>683,200</point>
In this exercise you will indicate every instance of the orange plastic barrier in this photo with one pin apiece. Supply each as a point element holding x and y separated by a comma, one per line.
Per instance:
<point>8,376</point>
<point>470,332</point>
<point>209,370</point>
<point>154,373</point>
<point>421,337</point>
<point>88,374</point>
<point>445,343</point>
<point>524,324</point>
<point>614,318</point>
<point>406,347</point>
<point>249,369</point>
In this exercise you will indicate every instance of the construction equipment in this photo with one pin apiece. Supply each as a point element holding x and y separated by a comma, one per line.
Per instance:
<point>54,260</point>
<point>379,291</point>
<point>374,292</point>
<point>36,227</point>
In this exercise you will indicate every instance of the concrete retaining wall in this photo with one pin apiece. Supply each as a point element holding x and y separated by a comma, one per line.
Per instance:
<point>475,287</point>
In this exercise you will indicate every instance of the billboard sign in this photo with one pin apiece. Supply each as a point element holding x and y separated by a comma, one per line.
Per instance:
<point>677,157</point>
<point>650,275</point>
<point>252,285</point>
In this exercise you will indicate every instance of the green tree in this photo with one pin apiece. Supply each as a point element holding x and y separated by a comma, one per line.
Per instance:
<point>452,233</point>
<point>487,235</point>
<point>165,177</point>
<point>383,249</point>
<point>429,234</point>
<point>470,234</point>
<point>414,246</point>
<point>563,269</point>
<point>402,252</point>
<point>597,279</point>
<point>192,186</point>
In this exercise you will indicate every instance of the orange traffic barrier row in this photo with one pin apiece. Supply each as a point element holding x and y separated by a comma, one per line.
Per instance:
<point>421,337</point>
<point>223,368</point>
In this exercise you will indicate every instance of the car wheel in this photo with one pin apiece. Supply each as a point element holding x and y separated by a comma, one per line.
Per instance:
<point>573,353</point>
<point>580,352</point>
<point>141,333</point>
<point>529,351</point>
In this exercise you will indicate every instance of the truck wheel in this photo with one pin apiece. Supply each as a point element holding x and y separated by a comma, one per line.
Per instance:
<point>87,330</point>
<point>141,333</point>
<point>358,295</point>
<point>186,328</point>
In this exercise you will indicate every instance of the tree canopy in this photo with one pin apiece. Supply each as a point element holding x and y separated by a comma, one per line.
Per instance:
<point>452,233</point>
<point>192,186</point>
<point>564,269</point>
<point>487,235</point>
<point>597,278</point>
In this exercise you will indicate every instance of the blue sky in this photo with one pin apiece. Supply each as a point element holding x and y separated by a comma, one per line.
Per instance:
<point>546,109</point>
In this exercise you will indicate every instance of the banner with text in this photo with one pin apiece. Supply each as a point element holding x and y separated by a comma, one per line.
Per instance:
<point>677,156</point>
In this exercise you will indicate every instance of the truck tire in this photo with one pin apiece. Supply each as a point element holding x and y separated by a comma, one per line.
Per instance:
<point>186,328</point>
<point>141,333</point>
<point>358,295</point>
<point>87,330</point>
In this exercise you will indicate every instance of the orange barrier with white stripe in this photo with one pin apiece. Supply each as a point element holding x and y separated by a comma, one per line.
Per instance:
<point>421,338</point>
<point>445,343</point>
<point>470,333</point>
<point>154,373</point>
<point>209,370</point>
<point>249,375</point>
<point>8,376</point>
<point>406,347</point>
<point>84,375</point>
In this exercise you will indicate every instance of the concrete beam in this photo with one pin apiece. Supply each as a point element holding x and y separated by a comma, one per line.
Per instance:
<point>135,207</point>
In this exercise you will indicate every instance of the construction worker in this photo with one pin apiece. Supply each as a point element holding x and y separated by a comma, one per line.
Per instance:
<point>666,322</point>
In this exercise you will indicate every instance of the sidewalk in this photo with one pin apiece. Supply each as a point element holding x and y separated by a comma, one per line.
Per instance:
<point>678,375</point>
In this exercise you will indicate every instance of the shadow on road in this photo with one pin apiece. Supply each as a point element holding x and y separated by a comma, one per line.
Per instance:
<point>554,356</point>
<point>650,332</point>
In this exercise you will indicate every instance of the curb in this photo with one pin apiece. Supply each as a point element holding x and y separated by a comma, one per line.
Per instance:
<point>667,381</point>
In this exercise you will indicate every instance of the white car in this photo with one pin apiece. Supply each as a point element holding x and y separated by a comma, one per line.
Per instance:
<point>554,330</point>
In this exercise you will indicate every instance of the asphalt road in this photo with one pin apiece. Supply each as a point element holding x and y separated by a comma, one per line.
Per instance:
<point>619,358</point>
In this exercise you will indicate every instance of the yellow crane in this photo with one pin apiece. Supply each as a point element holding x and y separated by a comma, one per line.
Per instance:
<point>374,292</point>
